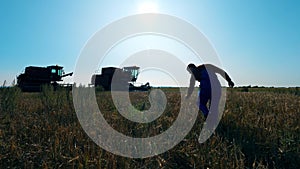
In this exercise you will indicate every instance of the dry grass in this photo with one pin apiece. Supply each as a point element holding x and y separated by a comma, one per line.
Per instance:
<point>260,129</point>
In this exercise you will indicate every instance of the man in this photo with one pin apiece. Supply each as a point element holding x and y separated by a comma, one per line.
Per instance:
<point>209,85</point>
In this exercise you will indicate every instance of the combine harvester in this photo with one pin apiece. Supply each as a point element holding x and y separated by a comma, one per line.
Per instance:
<point>34,77</point>
<point>122,79</point>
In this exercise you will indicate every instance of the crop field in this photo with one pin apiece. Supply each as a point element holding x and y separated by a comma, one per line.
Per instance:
<point>260,128</point>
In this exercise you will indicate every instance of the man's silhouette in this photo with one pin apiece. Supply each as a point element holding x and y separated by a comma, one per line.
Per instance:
<point>209,84</point>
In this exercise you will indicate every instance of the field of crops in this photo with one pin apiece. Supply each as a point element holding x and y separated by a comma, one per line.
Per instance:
<point>260,128</point>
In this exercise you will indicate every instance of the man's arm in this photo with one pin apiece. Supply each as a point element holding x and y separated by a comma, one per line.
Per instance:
<point>220,72</point>
<point>191,87</point>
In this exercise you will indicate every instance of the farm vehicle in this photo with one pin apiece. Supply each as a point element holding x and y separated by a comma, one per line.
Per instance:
<point>35,77</point>
<point>113,78</point>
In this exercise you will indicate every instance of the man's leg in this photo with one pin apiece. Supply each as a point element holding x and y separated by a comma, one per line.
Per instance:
<point>204,97</point>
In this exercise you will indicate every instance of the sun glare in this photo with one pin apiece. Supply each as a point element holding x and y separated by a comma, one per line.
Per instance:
<point>148,7</point>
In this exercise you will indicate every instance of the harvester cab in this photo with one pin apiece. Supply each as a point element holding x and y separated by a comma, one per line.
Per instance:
<point>133,71</point>
<point>56,73</point>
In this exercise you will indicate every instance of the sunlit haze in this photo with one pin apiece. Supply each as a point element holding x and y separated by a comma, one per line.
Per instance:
<point>148,7</point>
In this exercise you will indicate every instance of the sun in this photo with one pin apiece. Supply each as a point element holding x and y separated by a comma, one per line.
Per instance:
<point>148,7</point>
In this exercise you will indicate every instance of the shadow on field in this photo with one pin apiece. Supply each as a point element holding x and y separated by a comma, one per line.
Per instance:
<point>258,146</point>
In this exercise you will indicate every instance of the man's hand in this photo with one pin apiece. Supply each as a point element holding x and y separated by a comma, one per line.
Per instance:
<point>230,84</point>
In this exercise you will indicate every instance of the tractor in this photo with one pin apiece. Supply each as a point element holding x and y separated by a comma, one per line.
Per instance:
<point>112,78</point>
<point>35,77</point>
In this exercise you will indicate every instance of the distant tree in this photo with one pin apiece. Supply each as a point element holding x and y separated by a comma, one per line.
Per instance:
<point>13,83</point>
<point>4,83</point>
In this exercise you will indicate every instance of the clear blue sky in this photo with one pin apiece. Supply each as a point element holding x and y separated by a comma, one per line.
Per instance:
<point>258,41</point>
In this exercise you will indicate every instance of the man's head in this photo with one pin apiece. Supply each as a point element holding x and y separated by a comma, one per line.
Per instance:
<point>190,67</point>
